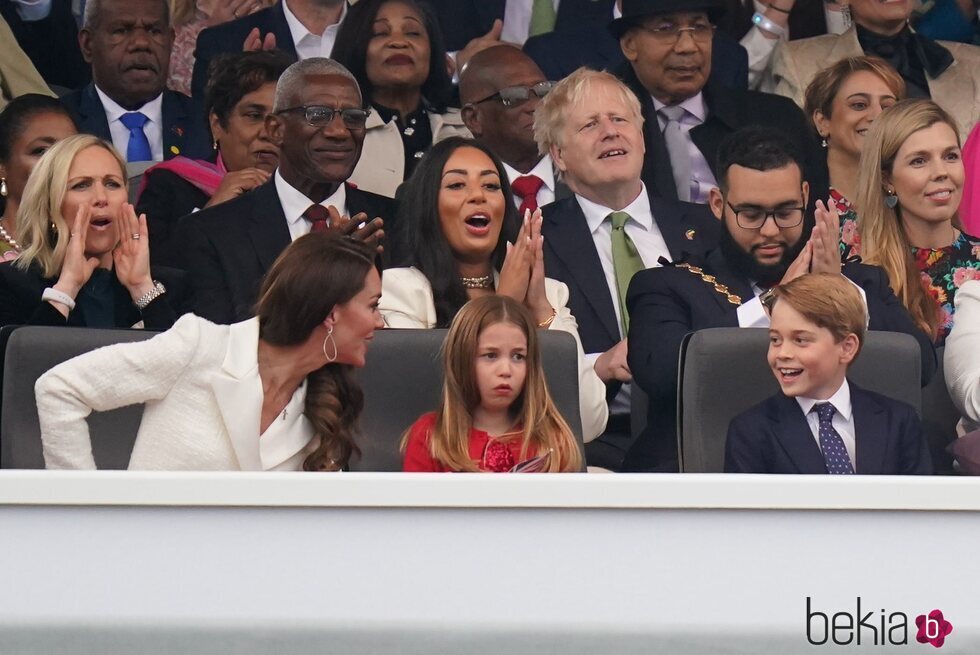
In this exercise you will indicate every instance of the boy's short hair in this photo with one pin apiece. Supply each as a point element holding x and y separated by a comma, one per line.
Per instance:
<point>828,300</point>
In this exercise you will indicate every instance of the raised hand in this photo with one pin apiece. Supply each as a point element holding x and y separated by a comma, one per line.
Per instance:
<point>77,268</point>
<point>236,183</point>
<point>358,227</point>
<point>255,41</point>
<point>537,299</point>
<point>131,256</point>
<point>227,10</point>
<point>800,265</point>
<point>515,274</point>
<point>825,239</point>
<point>488,40</point>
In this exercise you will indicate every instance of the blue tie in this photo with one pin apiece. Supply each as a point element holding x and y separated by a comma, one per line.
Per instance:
<point>834,452</point>
<point>139,147</point>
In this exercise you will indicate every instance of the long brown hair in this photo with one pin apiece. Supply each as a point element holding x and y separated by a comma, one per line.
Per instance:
<point>883,238</point>
<point>543,427</point>
<point>313,275</point>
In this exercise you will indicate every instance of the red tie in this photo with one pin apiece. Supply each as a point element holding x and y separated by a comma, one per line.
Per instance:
<point>318,217</point>
<point>526,187</point>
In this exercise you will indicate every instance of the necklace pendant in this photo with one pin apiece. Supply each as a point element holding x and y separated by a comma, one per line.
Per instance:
<point>284,413</point>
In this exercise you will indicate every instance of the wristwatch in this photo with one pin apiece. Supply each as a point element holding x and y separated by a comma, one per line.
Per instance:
<point>151,295</point>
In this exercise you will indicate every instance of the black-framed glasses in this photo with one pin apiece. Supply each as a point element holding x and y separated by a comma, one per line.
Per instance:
<point>753,218</point>
<point>320,116</point>
<point>512,96</point>
<point>670,33</point>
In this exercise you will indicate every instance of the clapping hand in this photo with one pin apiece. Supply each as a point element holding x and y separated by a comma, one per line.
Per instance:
<point>255,41</point>
<point>515,274</point>
<point>537,299</point>
<point>358,227</point>
<point>825,239</point>
<point>236,183</point>
<point>131,256</point>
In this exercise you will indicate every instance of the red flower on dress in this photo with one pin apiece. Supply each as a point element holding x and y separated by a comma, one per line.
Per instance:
<point>497,457</point>
<point>933,629</point>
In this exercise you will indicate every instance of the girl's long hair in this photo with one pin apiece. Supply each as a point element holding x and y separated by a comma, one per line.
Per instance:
<point>314,274</point>
<point>542,426</point>
<point>884,242</point>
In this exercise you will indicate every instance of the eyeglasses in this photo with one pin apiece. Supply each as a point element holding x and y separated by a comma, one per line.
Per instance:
<point>512,96</point>
<point>320,116</point>
<point>753,218</point>
<point>669,33</point>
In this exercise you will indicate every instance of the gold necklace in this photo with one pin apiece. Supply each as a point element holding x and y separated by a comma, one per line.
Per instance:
<point>482,282</point>
<point>710,279</point>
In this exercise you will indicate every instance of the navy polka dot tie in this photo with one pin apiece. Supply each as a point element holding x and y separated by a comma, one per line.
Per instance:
<point>834,452</point>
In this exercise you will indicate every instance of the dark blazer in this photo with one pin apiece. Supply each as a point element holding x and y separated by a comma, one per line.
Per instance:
<point>774,437</point>
<point>21,304</point>
<point>183,122</point>
<point>464,20</point>
<point>570,256</point>
<point>167,198</point>
<point>229,247</point>
<point>229,37</point>
<point>51,43</point>
<point>728,111</point>
<point>591,44</point>
<point>667,303</point>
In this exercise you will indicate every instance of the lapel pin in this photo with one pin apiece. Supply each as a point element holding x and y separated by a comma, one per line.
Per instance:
<point>178,130</point>
<point>175,150</point>
<point>690,235</point>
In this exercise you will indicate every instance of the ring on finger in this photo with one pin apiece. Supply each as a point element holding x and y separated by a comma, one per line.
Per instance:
<point>136,236</point>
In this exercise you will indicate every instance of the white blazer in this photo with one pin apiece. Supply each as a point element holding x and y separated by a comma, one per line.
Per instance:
<point>961,357</point>
<point>407,302</point>
<point>203,400</point>
<point>381,167</point>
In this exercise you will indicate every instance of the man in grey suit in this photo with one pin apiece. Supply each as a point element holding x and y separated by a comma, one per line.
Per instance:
<point>499,89</point>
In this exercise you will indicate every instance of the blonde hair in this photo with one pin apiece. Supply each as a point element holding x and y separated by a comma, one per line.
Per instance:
<point>182,12</point>
<point>884,242</point>
<point>43,230</point>
<point>549,117</point>
<point>826,84</point>
<point>827,300</point>
<point>543,427</point>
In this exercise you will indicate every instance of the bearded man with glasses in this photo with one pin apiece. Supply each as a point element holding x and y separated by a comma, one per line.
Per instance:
<point>767,238</point>
<point>318,119</point>
<point>668,47</point>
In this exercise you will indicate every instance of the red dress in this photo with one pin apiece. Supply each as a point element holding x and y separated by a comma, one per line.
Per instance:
<point>492,454</point>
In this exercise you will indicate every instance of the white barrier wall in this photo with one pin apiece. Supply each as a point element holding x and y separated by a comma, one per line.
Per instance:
<point>117,562</point>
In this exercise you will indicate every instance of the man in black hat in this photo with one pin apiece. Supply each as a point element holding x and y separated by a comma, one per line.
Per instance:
<point>667,44</point>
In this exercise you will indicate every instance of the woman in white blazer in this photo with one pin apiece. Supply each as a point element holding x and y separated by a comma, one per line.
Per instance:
<point>454,231</point>
<point>211,391</point>
<point>961,358</point>
<point>395,50</point>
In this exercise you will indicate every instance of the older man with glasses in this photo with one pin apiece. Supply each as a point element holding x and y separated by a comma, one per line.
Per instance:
<point>767,238</point>
<point>668,46</point>
<point>318,118</point>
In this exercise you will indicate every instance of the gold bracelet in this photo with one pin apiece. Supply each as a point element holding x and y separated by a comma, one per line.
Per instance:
<point>551,319</point>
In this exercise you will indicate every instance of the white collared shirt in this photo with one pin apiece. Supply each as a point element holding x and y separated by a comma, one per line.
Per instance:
<point>545,170</point>
<point>294,203</point>
<point>309,44</point>
<point>517,20</point>
<point>153,128</point>
<point>843,420</point>
<point>696,113</point>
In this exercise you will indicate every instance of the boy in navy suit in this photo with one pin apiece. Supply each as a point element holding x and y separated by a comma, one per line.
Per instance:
<point>820,422</point>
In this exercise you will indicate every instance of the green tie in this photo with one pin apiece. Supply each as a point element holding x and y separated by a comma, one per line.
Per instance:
<point>626,262</point>
<point>542,17</point>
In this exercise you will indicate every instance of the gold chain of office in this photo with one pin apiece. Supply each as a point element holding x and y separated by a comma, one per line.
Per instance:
<point>710,279</point>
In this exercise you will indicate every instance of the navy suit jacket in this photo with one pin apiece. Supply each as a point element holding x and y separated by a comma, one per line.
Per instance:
<point>230,246</point>
<point>667,303</point>
<point>464,20</point>
<point>229,37</point>
<point>570,256</point>
<point>728,111</point>
<point>591,44</point>
<point>184,127</point>
<point>774,437</point>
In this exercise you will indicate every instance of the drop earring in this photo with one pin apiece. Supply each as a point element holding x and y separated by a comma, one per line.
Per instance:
<point>3,187</point>
<point>891,200</point>
<point>823,141</point>
<point>329,337</point>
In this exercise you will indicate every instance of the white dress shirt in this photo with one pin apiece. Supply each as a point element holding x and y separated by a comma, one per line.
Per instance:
<point>32,10</point>
<point>695,114</point>
<point>517,20</point>
<point>843,420</point>
<point>545,170</point>
<point>153,128</point>
<point>294,203</point>
<point>309,44</point>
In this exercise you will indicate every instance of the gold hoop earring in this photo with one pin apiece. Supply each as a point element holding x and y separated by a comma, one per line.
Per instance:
<point>329,337</point>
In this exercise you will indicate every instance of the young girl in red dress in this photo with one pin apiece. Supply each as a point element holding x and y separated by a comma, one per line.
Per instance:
<point>496,413</point>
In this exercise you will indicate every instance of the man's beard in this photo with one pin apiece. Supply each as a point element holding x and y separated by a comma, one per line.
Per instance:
<point>745,264</point>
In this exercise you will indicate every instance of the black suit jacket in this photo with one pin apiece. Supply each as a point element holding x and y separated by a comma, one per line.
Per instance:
<point>167,198</point>
<point>464,20</point>
<point>773,437</point>
<point>667,303</point>
<point>570,256</point>
<point>184,127</point>
<point>21,304</point>
<point>558,54</point>
<point>229,37</point>
<point>229,247</point>
<point>728,111</point>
